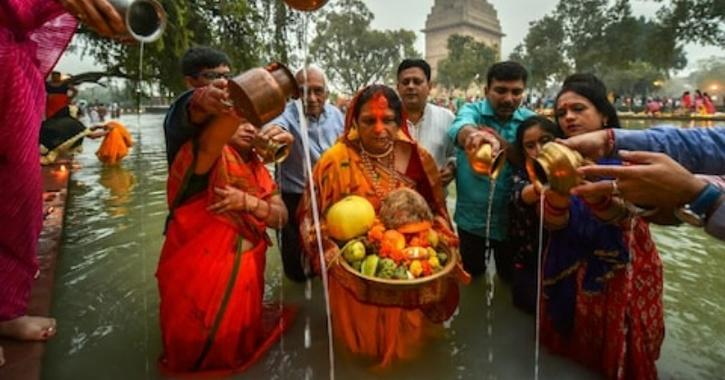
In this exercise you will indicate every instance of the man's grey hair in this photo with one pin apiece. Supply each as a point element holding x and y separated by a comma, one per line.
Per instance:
<point>317,69</point>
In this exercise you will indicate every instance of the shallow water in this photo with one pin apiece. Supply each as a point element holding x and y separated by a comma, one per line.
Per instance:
<point>106,300</point>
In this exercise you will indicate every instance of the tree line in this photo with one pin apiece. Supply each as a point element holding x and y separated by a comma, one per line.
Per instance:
<point>597,36</point>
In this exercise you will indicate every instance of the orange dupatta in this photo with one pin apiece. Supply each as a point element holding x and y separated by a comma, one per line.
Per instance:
<point>384,332</point>
<point>115,145</point>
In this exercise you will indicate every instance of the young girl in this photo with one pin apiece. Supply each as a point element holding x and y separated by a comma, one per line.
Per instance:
<point>532,134</point>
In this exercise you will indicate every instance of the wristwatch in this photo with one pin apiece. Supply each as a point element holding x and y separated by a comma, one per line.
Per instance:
<point>695,213</point>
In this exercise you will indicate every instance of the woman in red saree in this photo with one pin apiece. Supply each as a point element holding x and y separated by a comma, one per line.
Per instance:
<point>211,271</point>
<point>602,274</point>
<point>374,156</point>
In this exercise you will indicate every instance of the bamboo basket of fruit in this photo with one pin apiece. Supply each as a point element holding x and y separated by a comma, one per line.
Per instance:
<point>402,259</point>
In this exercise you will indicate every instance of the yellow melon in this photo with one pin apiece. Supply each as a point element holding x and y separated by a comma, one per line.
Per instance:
<point>349,217</point>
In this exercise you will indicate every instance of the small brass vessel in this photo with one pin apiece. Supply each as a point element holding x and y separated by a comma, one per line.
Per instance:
<point>270,151</point>
<point>145,19</point>
<point>484,162</point>
<point>260,94</point>
<point>556,167</point>
<point>306,5</point>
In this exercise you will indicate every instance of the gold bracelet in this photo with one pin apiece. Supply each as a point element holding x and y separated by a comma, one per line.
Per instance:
<point>269,211</point>
<point>256,205</point>
<point>244,202</point>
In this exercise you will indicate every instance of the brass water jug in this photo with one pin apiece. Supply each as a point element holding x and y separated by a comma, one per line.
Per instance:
<point>306,5</point>
<point>556,167</point>
<point>484,162</point>
<point>270,151</point>
<point>260,94</point>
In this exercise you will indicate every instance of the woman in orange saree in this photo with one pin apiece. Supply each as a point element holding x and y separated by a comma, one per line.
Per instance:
<point>211,271</point>
<point>374,156</point>
<point>116,143</point>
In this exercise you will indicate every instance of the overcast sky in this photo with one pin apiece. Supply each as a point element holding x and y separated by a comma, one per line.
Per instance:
<point>514,16</point>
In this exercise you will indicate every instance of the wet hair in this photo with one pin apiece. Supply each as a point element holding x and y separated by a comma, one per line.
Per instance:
<point>198,58</point>
<point>415,62</point>
<point>593,89</point>
<point>368,93</point>
<point>506,71</point>
<point>542,122</point>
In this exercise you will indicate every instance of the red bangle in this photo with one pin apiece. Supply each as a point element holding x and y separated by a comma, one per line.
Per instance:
<point>610,141</point>
<point>553,210</point>
<point>602,205</point>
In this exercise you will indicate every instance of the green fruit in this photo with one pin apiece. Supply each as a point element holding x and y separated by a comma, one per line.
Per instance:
<point>442,258</point>
<point>357,265</point>
<point>400,273</point>
<point>354,251</point>
<point>370,265</point>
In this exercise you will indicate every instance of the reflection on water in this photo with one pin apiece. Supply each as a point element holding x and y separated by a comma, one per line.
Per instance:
<point>106,300</point>
<point>119,181</point>
<point>694,267</point>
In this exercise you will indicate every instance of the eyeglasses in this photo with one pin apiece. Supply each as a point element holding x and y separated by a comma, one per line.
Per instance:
<point>211,75</point>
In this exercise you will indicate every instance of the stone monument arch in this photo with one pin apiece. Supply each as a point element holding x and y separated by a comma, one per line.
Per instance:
<point>475,18</point>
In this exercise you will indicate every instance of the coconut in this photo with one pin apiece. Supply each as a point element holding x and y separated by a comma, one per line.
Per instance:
<point>404,206</point>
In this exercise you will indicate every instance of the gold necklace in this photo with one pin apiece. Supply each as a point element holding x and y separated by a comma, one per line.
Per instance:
<point>387,160</point>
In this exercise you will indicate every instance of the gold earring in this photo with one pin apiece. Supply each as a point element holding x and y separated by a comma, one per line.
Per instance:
<point>352,134</point>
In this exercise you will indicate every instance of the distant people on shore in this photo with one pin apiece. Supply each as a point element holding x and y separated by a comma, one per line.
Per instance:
<point>59,95</point>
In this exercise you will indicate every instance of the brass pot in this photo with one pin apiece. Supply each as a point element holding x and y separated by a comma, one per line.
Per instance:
<point>270,151</point>
<point>556,167</point>
<point>260,94</point>
<point>145,19</point>
<point>306,5</point>
<point>484,162</point>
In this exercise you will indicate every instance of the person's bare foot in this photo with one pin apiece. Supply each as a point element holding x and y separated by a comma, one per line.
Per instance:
<point>28,328</point>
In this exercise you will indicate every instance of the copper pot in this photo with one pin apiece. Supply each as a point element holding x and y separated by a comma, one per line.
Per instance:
<point>556,167</point>
<point>260,94</point>
<point>306,5</point>
<point>484,162</point>
<point>270,151</point>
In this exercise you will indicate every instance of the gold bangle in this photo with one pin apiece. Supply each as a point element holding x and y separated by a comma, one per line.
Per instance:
<point>269,211</point>
<point>256,205</point>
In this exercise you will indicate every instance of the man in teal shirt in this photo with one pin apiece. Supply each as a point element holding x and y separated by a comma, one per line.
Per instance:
<point>490,121</point>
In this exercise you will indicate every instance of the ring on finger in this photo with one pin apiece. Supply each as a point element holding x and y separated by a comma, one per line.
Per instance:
<point>615,188</point>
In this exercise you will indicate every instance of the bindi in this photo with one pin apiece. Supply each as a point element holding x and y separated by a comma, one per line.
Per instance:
<point>378,106</point>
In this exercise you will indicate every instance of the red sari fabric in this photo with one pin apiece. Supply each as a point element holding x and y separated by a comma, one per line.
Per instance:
<point>33,34</point>
<point>212,316</point>
<point>618,331</point>
<point>55,102</point>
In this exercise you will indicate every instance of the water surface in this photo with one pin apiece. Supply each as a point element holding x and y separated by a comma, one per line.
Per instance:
<point>106,300</point>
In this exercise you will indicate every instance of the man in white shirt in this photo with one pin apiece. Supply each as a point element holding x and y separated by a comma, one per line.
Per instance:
<point>428,123</point>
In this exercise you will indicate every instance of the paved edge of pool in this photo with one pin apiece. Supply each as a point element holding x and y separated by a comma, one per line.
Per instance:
<point>24,360</point>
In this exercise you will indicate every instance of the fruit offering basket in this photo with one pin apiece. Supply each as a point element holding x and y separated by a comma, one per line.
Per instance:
<point>402,259</point>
